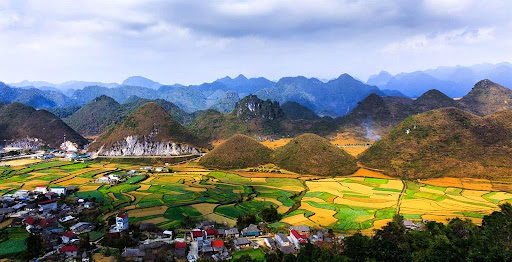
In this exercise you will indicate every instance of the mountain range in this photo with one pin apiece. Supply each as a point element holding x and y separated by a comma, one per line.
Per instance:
<point>454,81</point>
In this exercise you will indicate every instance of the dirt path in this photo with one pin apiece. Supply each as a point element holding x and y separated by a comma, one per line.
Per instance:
<point>399,201</point>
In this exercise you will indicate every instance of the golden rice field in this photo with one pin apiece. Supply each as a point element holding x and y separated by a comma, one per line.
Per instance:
<point>363,201</point>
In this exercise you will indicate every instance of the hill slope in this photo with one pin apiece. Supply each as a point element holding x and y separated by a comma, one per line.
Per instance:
<point>149,130</point>
<point>96,116</point>
<point>239,151</point>
<point>312,154</point>
<point>19,122</point>
<point>296,111</point>
<point>486,98</point>
<point>446,142</point>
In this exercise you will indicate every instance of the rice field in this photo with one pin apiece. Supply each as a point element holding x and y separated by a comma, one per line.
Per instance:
<point>363,201</point>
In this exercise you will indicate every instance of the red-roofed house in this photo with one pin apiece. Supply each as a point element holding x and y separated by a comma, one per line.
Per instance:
<point>181,245</point>
<point>211,233</point>
<point>297,238</point>
<point>68,237</point>
<point>196,234</point>
<point>121,222</point>
<point>70,251</point>
<point>218,245</point>
<point>30,220</point>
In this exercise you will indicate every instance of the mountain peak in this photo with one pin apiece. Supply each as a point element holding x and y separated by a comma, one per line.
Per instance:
<point>241,77</point>
<point>141,81</point>
<point>484,84</point>
<point>251,107</point>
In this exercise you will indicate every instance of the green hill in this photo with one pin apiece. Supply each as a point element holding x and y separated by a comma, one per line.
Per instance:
<point>239,151</point>
<point>312,154</point>
<point>150,123</point>
<point>19,121</point>
<point>445,142</point>
<point>486,98</point>
<point>96,116</point>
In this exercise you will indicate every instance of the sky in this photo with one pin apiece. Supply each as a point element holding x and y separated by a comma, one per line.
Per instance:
<point>192,41</point>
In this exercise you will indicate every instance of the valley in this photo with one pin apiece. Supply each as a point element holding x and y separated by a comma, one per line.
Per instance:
<point>362,201</point>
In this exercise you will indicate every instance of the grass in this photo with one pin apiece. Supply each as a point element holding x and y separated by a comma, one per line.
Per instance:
<point>255,254</point>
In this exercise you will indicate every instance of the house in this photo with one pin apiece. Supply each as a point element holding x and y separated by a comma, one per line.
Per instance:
<point>282,240</point>
<point>133,253</point>
<point>180,249</point>
<point>48,205</point>
<point>270,243</point>
<point>241,242</point>
<point>301,229</point>
<point>41,189</point>
<point>167,233</point>
<point>58,190</point>
<point>297,238</point>
<point>21,194</point>
<point>218,245</point>
<point>6,210</point>
<point>196,233</point>
<point>18,206</point>
<point>88,205</point>
<point>411,225</point>
<point>211,233</point>
<point>121,222</point>
<point>81,227</point>
<point>69,237</point>
<point>66,218</point>
<point>231,232</point>
<point>70,251</point>
<point>70,156</point>
<point>251,231</point>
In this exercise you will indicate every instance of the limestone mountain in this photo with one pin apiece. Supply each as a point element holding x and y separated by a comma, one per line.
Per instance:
<point>445,142</point>
<point>149,130</point>
<point>251,107</point>
<point>239,151</point>
<point>20,123</point>
<point>312,154</point>
<point>296,111</point>
<point>486,98</point>
<point>141,81</point>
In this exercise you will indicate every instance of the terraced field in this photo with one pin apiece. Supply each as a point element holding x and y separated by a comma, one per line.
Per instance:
<point>362,201</point>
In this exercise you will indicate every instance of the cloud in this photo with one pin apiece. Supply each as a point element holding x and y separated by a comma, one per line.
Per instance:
<point>200,40</point>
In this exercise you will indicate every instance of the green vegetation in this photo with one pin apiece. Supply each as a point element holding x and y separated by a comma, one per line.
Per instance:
<point>312,154</point>
<point>255,254</point>
<point>237,152</point>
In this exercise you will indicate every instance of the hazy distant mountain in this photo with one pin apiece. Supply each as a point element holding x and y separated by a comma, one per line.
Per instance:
<point>34,97</point>
<point>379,80</point>
<point>141,81</point>
<point>227,102</point>
<point>43,85</point>
<point>454,81</point>
<point>120,94</point>
<point>335,98</point>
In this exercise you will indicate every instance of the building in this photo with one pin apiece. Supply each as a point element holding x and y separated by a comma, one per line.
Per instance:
<point>41,189</point>
<point>69,237</point>
<point>282,240</point>
<point>58,190</point>
<point>301,229</point>
<point>251,231</point>
<point>241,242</point>
<point>231,232</point>
<point>70,251</point>
<point>81,227</point>
<point>270,243</point>
<point>48,205</point>
<point>195,234</point>
<point>297,238</point>
<point>70,156</point>
<point>121,222</point>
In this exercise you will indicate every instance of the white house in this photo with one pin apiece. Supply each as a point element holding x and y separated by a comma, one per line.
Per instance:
<point>121,222</point>
<point>21,194</point>
<point>70,156</point>
<point>69,237</point>
<point>58,190</point>
<point>48,205</point>
<point>282,240</point>
<point>41,189</point>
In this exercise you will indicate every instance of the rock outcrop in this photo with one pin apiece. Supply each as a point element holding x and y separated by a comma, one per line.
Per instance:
<point>145,146</point>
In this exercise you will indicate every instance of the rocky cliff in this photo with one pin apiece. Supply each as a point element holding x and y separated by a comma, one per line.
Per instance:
<point>146,146</point>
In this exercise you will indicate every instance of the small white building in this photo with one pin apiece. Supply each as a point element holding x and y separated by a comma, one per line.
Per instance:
<point>21,194</point>
<point>58,190</point>
<point>282,240</point>
<point>41,189</point>
<point>121,222</point>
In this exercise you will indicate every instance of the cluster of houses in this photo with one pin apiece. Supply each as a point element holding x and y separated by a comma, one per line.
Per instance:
<point>42,211</point>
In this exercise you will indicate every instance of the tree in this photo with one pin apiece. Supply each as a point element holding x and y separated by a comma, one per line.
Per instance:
<point>269,214</point>
<point>245,220</point>
<point>34,246</point>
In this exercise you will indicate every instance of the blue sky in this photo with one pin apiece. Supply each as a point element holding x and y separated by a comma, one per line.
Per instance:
<point>194,41</point>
